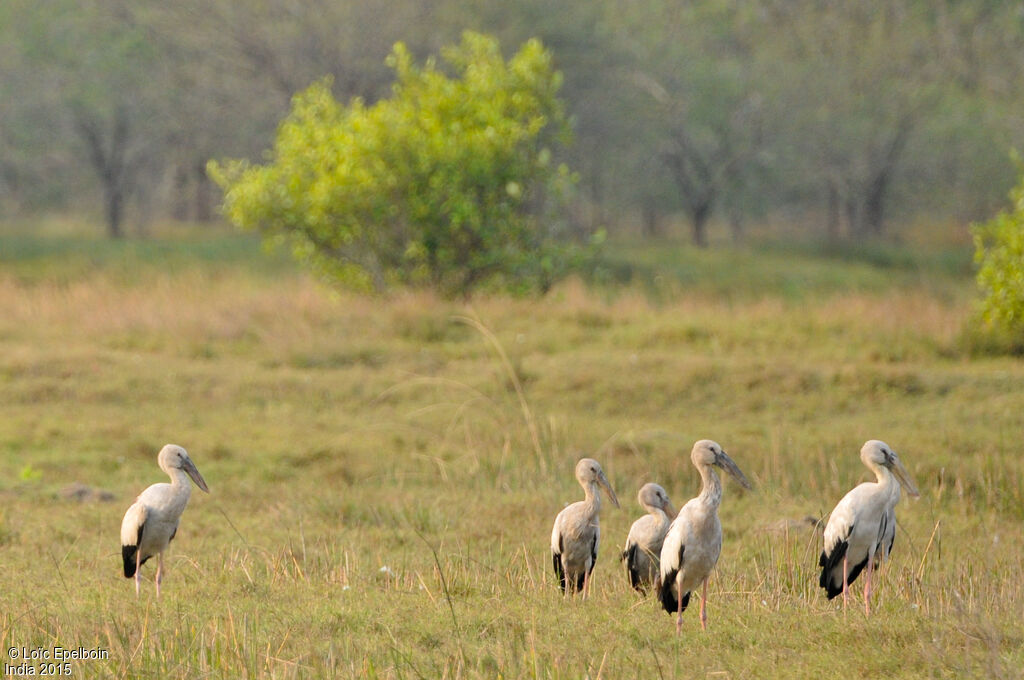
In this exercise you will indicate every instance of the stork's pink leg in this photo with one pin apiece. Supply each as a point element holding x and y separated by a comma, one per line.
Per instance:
<point>586,584</point>
<point>138,569</point>
<point>846,584</point>
<point>867,587</point>
<point>703,611</point>
<point>679,611</point>
<point>159,572</point>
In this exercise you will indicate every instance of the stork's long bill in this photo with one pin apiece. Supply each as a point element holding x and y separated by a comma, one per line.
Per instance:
<point>896,465</point>
<point>723,461</point>
<point>603,481</point>
<point>192,471</point>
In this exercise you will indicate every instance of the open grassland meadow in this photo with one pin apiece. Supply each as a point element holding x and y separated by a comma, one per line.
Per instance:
<point>384,472</point>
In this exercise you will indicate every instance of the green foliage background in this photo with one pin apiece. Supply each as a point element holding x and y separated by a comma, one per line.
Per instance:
<point>840,119</point>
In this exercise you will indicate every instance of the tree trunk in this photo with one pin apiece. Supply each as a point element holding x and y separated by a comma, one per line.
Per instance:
<point>736,226</point>
<point>699,214</point>
<point>204,194</point>
<point>109,159</point>
<point>878,187</point>
<point>874,204</point>
<point>114,203</point>
<point>650,220</point>
<point>700,180</point>
<point>854,216</point>
<point>833,204</point>
<point>179,205</point>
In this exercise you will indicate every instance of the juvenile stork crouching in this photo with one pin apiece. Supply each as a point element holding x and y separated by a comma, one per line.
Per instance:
<point>694,540</point>
<point>643,544</point>
<point>576,535</point>
<point>152,520</point>
<point>862,528</point>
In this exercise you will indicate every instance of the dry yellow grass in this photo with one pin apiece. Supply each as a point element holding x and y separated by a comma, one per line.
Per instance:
<point>341,435</point>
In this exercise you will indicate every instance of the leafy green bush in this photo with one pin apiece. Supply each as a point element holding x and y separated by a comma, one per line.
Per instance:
<point>999,252</point>
<point>450,183</point>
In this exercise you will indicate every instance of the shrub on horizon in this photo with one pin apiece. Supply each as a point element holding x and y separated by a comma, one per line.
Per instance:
<point>450,184</point>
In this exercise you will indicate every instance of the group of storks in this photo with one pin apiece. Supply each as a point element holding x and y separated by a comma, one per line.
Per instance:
<point>675,553</point>
<point>669,552</point>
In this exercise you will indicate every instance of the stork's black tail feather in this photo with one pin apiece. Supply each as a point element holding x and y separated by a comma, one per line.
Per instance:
<point>829,563</point>
<point>668,599</point>
<point>634,576</point>
<point>128,553</point>
<point>556,562</point>
<point>824,581</point>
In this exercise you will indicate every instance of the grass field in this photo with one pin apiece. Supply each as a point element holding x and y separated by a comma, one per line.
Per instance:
<point>384,473</point>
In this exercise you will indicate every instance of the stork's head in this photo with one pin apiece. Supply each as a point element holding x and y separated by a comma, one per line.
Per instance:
<point>173,457</point>
<point>706,452</point>
<point>588,471</point>
<point>653,496</point>
<point>876,453</point>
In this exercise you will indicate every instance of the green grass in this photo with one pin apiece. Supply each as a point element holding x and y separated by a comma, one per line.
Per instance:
<point>70,256</point>
<point>342,435</point>
<point>792,270</point>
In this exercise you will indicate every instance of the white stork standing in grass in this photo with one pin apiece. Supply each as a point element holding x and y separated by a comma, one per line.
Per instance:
<point>862,528</point>
<point>694,540</point>
<point>577,533</point>
<point>643,544</point>
<point>152,520</point>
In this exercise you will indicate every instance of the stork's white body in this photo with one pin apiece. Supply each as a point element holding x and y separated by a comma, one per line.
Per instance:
<point>694,539</point>
<point>866,520</point>
<point>576,534</point>
<point>576,538</point>
<point>862,527</point>
<point>646,536</point>
<point>152,520</point>
<point>158,509</point>
<point>694,542</point>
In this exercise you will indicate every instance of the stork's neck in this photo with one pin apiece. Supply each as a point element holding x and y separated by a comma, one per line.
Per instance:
<point>657,512</point>
<point>180,481</point>
<point>592,498</point>
<point>711,492</point>
<point>660,516</point>
<point>885,478</point>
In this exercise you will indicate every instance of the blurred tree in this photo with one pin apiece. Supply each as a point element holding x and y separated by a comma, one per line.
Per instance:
<point>960,168</point>
<point>287,45</point>
<point>582,42</point>
<point>694,67</point>
<point>862,79</point>
<point>212,104</point>
<point>841,115</point>
<point>448,183</point>
<point>112,97</point>
<point>230,58</point>
<point>100,66</point>
<point>34,138</point>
